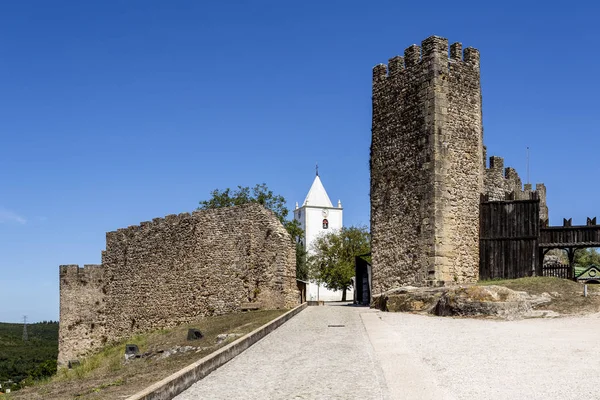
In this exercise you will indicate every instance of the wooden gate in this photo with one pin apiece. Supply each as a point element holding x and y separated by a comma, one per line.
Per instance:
<point>508,238</point>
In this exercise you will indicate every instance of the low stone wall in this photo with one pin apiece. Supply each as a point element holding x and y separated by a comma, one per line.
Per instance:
<point>175,270</point>
<point>183,379</point>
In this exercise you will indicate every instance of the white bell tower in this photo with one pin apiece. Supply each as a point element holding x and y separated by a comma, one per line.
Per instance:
<point>318,216</point>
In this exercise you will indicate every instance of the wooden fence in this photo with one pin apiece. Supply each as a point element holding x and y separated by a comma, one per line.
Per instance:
<point>557,271</point>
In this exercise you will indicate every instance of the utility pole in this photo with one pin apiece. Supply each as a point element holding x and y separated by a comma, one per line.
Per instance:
<point>25,338</point>
<point>528,165</point>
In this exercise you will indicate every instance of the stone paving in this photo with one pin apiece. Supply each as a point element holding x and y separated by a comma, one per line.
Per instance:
<point>379,355</point>
<point>303,359</point>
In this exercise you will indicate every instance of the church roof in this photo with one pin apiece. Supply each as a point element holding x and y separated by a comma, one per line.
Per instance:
<point>317,196</point>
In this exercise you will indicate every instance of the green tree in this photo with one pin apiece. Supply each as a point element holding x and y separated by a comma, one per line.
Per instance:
<point>260,194</point>
<point>586,257</point>
<point>332,259</point>
<point>301,263</point>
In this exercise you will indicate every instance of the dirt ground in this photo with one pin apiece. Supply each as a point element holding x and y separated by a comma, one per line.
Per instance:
<point>106,375</point>
<point>567,296</point>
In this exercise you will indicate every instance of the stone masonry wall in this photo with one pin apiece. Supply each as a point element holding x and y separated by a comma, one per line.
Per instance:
<point>426,167</point>
<point>175,270</point>
<point>504,183</point>
<point>82,305</point>
<point>460,171</point>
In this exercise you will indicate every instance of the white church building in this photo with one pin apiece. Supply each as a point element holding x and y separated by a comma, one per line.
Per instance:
<point>318,216</point>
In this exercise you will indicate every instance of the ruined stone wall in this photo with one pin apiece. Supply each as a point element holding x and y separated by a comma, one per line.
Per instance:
<point>82,305</point>
<point>540,188</point>
<point>426,167</point>
<point>494,181</point>
<point>177,269</point>
<point>504,183</point>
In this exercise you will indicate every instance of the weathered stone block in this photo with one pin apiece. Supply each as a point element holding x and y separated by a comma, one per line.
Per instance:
<point>497,301</point>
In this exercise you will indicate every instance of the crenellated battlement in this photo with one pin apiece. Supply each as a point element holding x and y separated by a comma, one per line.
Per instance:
<point>171,219</point>
<point>432,47</point>
<point>412,56</point>
<point>75,274</point>
<point>456,52</point>
<point>82,293</point>
<point>428,168</point>
<point>502,183</point>
<point>426,165</point>
<point>174,270</point>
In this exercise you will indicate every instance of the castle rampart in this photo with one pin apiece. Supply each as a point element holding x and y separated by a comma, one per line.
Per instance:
<point>82,309</point>
<point>426,166</point>
<point>505,184</point>
<point>175,270</point>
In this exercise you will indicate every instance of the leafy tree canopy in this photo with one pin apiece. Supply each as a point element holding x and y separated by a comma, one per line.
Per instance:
<point>24,362</point>
<point>332,259</point>
<point>586,257</point>
<point>260,194</point>
<point>301,263</point>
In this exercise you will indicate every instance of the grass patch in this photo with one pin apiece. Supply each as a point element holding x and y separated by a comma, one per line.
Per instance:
<point>567,295</point>
<point>105,375</point>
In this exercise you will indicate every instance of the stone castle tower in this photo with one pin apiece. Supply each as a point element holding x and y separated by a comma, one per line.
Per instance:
<point>427,167</point>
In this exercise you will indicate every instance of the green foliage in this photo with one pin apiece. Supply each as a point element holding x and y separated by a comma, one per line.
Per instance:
<point>332,262</point>
<point>32,360</point>
<point>301,263</point>
<point>293,228</point>
<point>260,194</point>
<point>586,257</point>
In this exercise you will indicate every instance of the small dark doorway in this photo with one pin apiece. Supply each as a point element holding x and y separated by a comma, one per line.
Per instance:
<point>301,290</point>
<point>362,290</point>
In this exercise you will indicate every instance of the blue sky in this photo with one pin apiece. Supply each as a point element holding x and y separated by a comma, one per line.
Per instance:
<point>116,112</point>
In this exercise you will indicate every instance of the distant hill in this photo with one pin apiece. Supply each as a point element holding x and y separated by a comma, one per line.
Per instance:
<point>34,358</point>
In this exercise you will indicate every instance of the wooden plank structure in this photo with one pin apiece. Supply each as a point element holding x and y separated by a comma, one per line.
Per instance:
<point>513,241</point>
<point>562,237</point>
<point>508,238</point>
<point>557,271</point>
<point>569,238</point>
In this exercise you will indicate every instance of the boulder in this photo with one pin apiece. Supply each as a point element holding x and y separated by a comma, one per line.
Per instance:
<point>471,300</point>
<point>410,298</point>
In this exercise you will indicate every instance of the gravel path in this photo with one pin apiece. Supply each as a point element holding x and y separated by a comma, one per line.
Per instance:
<point>403,356</point>
<point>485,359</point>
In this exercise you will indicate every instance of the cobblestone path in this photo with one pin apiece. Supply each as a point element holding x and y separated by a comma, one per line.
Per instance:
<point>306,358</point>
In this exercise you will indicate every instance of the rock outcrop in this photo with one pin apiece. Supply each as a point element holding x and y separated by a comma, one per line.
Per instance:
<point>471,300</point>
